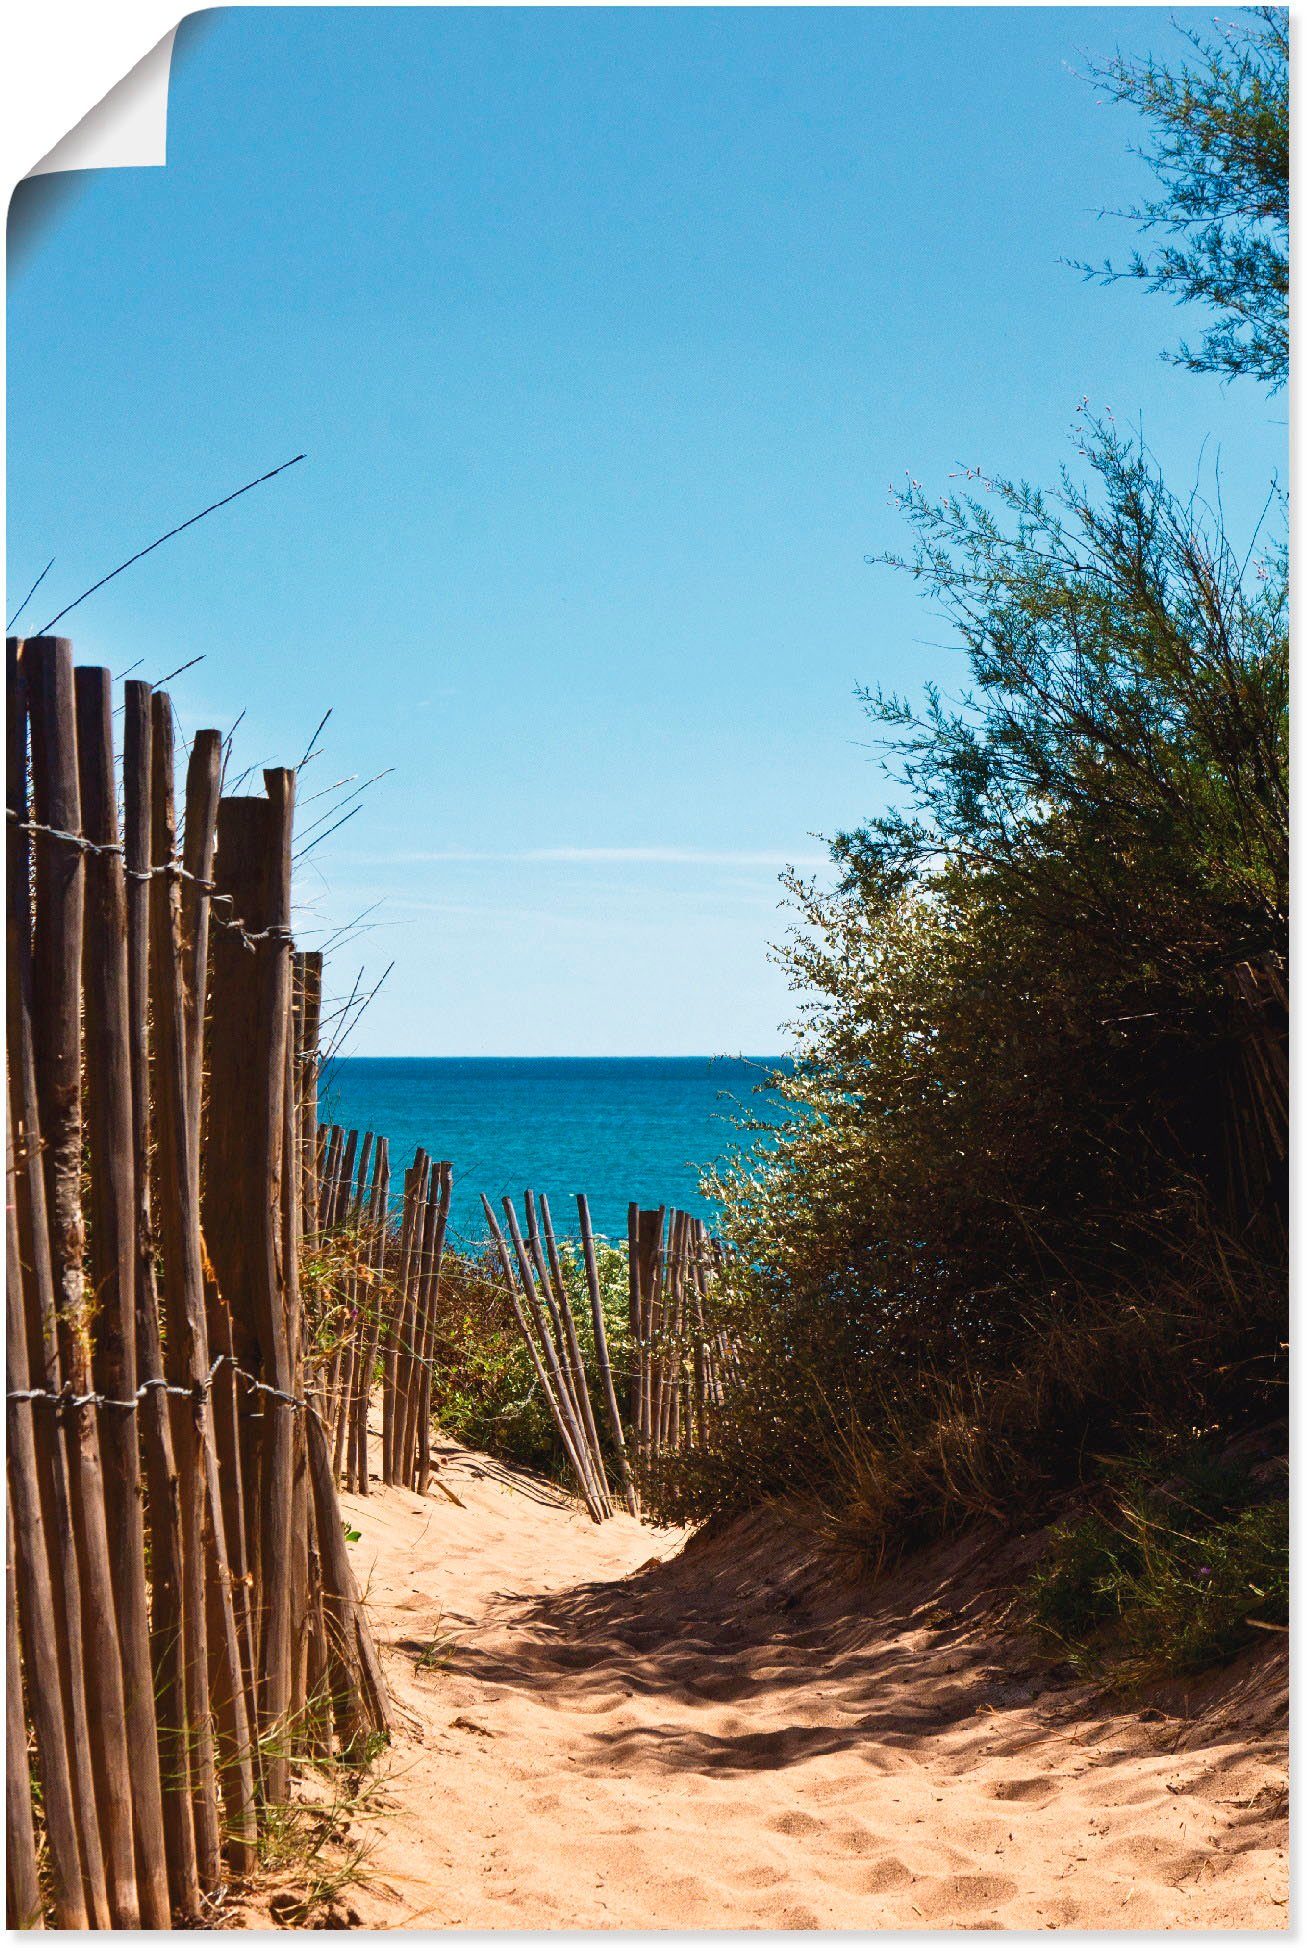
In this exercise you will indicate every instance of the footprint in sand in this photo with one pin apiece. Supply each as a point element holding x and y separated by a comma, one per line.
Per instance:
<point>760,1876</point>
<point>888,1873</point>
<point>955,1896</point>
<point>1024,1788</point>
<point>853,1837</point>
<point>1168,1862</point>
<point>795,1822</point>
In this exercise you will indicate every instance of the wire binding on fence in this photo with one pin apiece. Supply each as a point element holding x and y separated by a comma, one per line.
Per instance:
<point>173,869</point>
<point>196,1392</point>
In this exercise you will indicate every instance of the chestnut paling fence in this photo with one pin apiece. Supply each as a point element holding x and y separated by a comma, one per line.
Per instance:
<point>380,1328</point>
<point>183,1621</point>
<point>207,1290</point>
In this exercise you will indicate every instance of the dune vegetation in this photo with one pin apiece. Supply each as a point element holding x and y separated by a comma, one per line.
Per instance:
<point>1027,1216</point>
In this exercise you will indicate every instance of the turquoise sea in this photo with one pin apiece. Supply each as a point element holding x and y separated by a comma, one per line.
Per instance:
<point>616,1128</point>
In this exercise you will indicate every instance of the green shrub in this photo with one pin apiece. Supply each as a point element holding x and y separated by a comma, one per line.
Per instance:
<point>1029,1204</point>
<point>1196,1606</point>
<point>1177,1574</point>
<point>1080,1584</point>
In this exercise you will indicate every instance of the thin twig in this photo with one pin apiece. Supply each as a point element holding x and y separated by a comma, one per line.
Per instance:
<point>227,748</point>
<point>238,782</point>
<point>346,801</point>
<point>323,791</point>
<point>334,934</point>
<point>342,1010</point>
<point>347,1028</point>
<point>160,540</point>
<point>190,664</point>
<point>30,594</point>
<point>326,836</point>
<point>309,749</point>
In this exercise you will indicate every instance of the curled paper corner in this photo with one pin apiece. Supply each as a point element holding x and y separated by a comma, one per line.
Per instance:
<point>127,128</point>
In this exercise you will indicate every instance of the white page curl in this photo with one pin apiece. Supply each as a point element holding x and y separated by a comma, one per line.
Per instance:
<point>128,128</point>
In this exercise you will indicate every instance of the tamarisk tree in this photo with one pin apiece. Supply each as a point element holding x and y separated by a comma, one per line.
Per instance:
<point>1220,140</point>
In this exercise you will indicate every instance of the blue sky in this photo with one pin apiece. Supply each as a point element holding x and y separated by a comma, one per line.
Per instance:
<point>604,332</point>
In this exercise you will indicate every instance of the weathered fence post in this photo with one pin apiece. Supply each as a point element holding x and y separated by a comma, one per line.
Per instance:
<point>162,1500</point>
<point>602,1354</point>
<point>573,1353</point>
<point>309,1019</point>
<point>113,1264</point>
<point>57,973</point>
<point>250,988</point>
<point>186,1340</point>
<point>42,1629</point>
<point>22,1882</point>
<point>396,1358</point>
<point>427,1347</point>
<point>46,1536</point>
<point>371,1325</point>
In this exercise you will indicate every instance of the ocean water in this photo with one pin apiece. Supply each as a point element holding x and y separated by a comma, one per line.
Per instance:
<point>615,1128</point>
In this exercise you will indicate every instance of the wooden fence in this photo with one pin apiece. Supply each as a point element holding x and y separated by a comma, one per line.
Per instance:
<point>183,1620</point>
<point>684,1354</point>
<point>378,1311</point>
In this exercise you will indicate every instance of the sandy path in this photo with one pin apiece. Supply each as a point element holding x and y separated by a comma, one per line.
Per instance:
<point>600,1729</point>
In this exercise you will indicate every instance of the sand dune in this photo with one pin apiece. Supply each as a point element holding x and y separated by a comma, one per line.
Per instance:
<point>604,1729</point>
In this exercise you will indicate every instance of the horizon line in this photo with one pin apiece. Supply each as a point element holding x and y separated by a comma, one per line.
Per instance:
<point>561,1056</point>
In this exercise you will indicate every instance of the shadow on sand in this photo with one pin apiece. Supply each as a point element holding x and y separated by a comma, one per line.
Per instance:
<point>757,1619</point>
